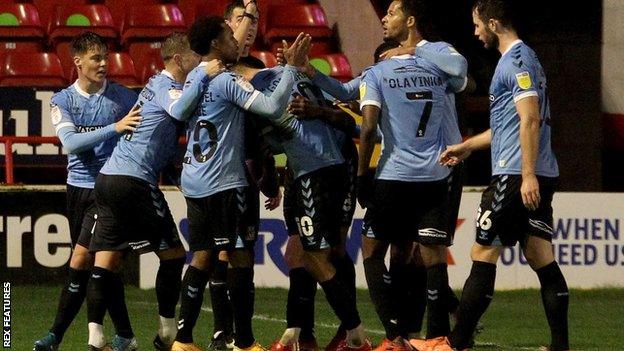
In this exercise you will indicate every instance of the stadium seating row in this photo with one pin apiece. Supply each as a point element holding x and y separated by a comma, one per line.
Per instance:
<point>21,24</point>
<point>43,69</point>
<point>136,44</point>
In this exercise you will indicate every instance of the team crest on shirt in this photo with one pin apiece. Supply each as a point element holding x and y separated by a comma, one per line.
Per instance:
<point>362,89</point>
<point>175,94</point>
<point>56,115</point>
<point>524,80</point>
<point>243,83</point>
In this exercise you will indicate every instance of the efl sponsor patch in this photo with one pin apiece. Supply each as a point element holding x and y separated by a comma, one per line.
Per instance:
<point>244,84</point>
<point>362,90</point>
<point>524,80</point>
<point>175,94</point>
<point>56,115</point>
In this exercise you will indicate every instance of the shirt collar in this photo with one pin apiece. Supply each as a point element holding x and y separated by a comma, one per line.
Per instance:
<point>167,73</point>
<point>87,95</point>
<point>421,43</point>
<point>514,43</point>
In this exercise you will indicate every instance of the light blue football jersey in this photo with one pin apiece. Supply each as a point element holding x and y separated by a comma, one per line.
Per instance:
<point>74,108</point>
<point>214,159</point>
<point>518,75</point>
<point>450,125</point>
<point>309,144</point>
<point>146,151</point>
<point>411,94</point>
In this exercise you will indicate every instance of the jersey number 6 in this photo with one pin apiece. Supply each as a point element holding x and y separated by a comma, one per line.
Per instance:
<point>212,142</point>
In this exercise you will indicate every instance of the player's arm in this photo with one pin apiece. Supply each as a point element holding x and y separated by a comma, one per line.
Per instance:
<point>371,100</point>
<point>341,91</point>
<point>274,105</point>
<point>242,31</point>
<point>368,136</point>
<point>182,107</point>
<point>75,142</point>
<point>459,152</point>
<point>304,109</point>
<point>528,110</point>
<point>447,59</point>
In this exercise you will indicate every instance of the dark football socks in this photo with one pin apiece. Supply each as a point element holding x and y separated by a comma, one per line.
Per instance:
<point>300,305</point>
<point>555,297</point>
<point>192,296</point>
<point>409,293</point>
<point>437,289</point>
<point>242,293</point>
<point>168,284</point>
<point>475,299</point>
<point>72,297</point>
<point>221,305</point>
<point>341,302</point>
<point>380,293</point>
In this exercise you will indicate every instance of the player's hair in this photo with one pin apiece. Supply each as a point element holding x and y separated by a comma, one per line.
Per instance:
<point>420,11</point>
<point>203,31</point>
<point>230,8</point>
<point>85,41</point>
<point>174,43</point>
<point>500,10</point>
<point>383,47</point>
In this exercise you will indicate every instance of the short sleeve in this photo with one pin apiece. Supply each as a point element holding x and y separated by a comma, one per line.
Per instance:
<point>59,112</point>
<point>238,90</point>
<point>370,91</point>
<point>520,79</point>
<point>167,94</point>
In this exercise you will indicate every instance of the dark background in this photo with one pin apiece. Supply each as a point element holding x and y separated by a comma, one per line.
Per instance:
<point>567,38</point>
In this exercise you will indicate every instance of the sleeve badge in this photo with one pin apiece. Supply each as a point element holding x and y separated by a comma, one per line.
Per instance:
<point>56,114</point>
<point>524,80</point>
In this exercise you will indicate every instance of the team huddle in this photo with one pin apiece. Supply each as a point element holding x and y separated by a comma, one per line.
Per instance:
<point>237,115</point>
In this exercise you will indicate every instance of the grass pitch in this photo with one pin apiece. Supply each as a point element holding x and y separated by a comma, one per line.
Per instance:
<point>514,321</point>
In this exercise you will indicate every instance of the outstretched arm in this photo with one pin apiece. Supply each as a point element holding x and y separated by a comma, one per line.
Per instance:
<point>75,142</point>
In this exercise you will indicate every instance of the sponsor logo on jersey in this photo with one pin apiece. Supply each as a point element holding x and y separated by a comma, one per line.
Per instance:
<point>84,129</point>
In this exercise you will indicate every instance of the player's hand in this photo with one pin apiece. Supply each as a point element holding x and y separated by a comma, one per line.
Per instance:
<point>530,192</point>
<point>364,189</point>
<point>130,122</point>
<point>400,50</point>
<point>454,154</point>
<point>281,60</point>
<point>213,68</point>
<point>251,6</point>
<point>297,53</point>
<point>273,202</point>
<point>303,108</point>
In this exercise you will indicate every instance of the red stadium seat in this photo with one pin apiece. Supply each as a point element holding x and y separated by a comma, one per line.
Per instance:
<point>319,47</point>
<point>71,20</point>
<point>119,8</point>
<point>151,22</point>
<point>147,60</point>
<point>20,28</point>
<point>120,69</point>
<point>35,69</point>
<point>191,9</point>
<point>47,8</point>
<point>335,65</point>
<point>20,21</point>
<point>287,21</point>
<point>265,56</point>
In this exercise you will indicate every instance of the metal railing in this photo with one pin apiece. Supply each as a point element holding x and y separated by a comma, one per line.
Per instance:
<point>8,142</point>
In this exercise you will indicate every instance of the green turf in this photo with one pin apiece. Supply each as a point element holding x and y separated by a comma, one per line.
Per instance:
<point>514,321</point>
